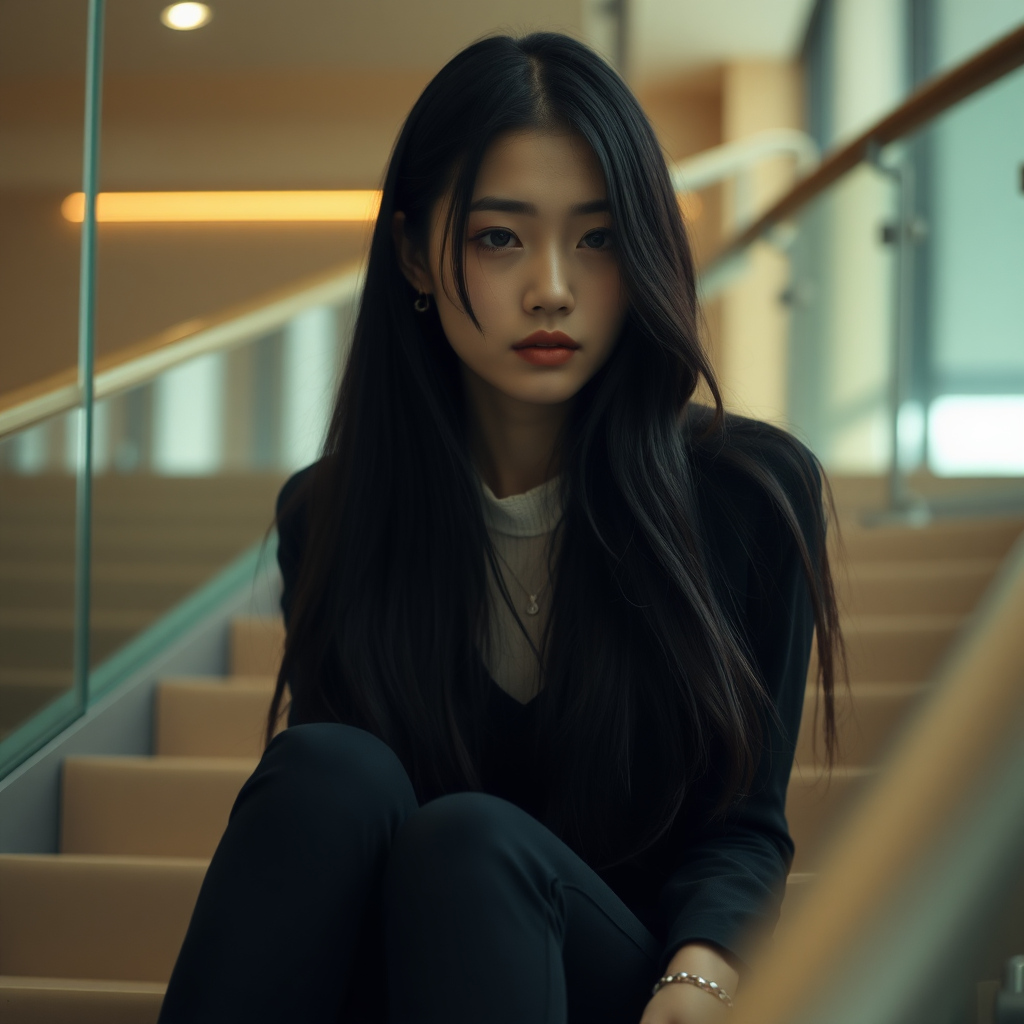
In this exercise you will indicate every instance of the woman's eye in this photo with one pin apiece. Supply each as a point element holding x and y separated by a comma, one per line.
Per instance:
<point>599,239</point>
<point>496,238</point>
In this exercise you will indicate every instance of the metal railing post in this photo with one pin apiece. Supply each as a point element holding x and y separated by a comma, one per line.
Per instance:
<point>902,233</point>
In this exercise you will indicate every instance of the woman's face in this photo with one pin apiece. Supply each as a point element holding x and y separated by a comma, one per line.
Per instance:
<point>541,271</point>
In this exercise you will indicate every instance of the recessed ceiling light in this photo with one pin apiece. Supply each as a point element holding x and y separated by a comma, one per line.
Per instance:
<point>184,17</point>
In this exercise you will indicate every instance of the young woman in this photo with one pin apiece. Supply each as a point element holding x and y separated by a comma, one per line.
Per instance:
<point>548,620</point>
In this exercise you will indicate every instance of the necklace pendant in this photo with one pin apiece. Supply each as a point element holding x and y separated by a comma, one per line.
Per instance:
<point>532,608</point>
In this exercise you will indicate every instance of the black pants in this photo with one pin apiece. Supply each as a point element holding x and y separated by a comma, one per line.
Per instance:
<point>333,896</point>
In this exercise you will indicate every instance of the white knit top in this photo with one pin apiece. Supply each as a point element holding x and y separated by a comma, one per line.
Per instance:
<point>521,528</point>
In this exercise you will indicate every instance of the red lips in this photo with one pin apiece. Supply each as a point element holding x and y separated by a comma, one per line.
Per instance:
<point>546,348</point>
<point>546,339</point>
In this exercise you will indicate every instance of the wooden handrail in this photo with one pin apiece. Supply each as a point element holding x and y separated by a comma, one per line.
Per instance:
<point>934,97</point>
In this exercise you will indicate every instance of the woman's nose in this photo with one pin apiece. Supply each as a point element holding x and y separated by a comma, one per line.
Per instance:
<point>549,289</point>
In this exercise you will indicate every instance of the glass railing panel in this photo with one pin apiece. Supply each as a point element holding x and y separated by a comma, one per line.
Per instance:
<point>220,109</point>
<point>968,343</point>
<point>38,482</point>
<point>840,301</point>
<point>906,351</point>
<point>42,100</point>
<point>187,467</point>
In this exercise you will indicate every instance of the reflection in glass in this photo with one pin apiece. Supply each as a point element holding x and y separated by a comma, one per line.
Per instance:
<point>37,567</point>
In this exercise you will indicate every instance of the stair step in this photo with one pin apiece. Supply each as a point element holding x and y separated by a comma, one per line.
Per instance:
<point>79,1001</point>
<point>898,648</point>
<point>948,586</point>
<point>148,806</point>
<point>266,682</point>
<point>24,586</point>
<point>961,538</point>
<point>154,549</point>
<point>65,916</point>
<point>816,803</point>
<point>224,495</point>
<point>202,718</point>
<point>868,715</point>
<point>256,646</point>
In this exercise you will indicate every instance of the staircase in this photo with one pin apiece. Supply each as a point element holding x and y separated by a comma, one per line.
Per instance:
<point>155,540</point>
<point>91,934</point>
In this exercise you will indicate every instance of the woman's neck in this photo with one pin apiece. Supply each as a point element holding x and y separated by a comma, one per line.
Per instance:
<point>514,444</point>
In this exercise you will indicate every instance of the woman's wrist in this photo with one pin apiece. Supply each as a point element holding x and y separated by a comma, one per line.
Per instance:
<point>687,1002</point>
<point>705,960</point>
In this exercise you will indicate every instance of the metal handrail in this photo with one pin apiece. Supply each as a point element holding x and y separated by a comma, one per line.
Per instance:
<point>140,363</point>
<point>732,158</point>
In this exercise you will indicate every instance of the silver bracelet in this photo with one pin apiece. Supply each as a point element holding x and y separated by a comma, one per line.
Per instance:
<point>685,978</point>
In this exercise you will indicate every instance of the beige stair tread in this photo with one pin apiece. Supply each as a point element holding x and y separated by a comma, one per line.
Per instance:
<point>256,645</point>
<point>868,716</point>
<point>79,1001</point>
<point>961,538</point>
<point>898,648</point>
<point>149,806</point>
<point>65,916</point>
<point>942,586</point>
<point>816,803</point>
<point>267,682</point>
<point>212,718</point>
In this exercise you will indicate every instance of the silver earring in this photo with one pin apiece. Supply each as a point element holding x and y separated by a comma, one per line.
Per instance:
<point>422,303</point>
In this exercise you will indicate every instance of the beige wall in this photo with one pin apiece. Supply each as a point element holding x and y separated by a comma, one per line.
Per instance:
<point>686,113</point>
<point>758,95</point>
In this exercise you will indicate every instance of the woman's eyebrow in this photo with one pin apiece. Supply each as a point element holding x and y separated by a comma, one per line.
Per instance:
<point>497,204</point>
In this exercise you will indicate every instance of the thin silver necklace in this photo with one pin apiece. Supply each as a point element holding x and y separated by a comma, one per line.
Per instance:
<point>533,607</point>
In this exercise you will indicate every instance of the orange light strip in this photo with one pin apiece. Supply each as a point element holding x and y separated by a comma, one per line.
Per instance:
<point>350,205</point>
<point>199,207</point>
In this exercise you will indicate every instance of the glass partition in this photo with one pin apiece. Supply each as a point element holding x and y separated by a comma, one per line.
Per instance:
<point>188,464</point>
<point>38,479</point>
<point>43,482</point>
<point>969,362</point>
<point>840,297</point>
<point>906,354</point>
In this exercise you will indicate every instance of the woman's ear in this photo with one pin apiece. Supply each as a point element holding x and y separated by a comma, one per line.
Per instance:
<point>410,258</point>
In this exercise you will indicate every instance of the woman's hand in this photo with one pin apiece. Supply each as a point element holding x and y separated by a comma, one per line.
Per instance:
<point>686,1004</point>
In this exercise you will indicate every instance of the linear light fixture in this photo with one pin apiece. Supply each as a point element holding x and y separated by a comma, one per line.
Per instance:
<point>249,207</point>
<point>197,207</point>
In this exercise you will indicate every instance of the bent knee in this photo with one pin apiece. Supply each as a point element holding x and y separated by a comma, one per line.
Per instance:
<point>457,833</point>
<point>332,758</point>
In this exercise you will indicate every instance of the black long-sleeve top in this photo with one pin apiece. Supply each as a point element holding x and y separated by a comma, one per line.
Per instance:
<point>711,877</point>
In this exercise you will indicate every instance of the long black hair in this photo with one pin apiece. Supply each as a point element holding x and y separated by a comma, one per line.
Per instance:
<point>391,603</point>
